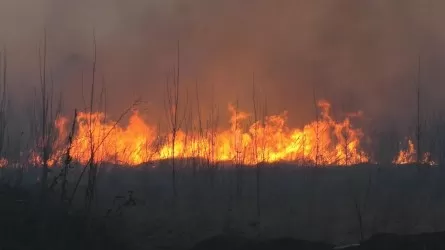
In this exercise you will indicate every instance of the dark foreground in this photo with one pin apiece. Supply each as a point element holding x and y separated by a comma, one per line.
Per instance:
<point>428,241</point>
<point>25,225</point>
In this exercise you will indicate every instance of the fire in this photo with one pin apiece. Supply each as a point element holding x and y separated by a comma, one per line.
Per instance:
<point>322,142</point>
<point>408,156</point>
<point>55,146</point>
<point>3,162</point>
<point>35,159</point>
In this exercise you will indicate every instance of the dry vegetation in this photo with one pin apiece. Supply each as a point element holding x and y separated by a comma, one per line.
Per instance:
<point>175,202</point>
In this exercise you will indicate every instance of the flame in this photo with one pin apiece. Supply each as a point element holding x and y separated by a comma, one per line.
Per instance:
<point>3,162</point>
<point>55,147</point>
<point>322,142</point>
<point>408,156</point>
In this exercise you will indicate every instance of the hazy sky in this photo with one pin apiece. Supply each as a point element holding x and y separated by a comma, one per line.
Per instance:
<point>357,54</point>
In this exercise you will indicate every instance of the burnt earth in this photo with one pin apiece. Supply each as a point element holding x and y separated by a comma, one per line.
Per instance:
<point>226,242</point>
<point>24,226</point>
<point>425,241</point>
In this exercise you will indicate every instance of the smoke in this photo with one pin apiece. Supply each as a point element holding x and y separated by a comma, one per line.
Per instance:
<point>358,54</point>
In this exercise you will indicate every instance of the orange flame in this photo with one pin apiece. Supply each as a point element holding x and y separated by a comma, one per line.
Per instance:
<point>322,142</point>
<point>56,147</point>
<point>3,162</point>
<point>408,156</point>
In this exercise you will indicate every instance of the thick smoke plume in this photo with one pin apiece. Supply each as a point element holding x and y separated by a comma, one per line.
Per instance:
<point>358,54</point>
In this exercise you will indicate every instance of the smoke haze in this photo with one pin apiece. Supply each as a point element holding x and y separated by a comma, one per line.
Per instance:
<point>357,54</point>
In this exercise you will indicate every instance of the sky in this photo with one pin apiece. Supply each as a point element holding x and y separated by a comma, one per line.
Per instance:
<point>359,55</point>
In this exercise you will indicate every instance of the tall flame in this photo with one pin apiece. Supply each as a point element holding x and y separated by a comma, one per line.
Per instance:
<point>322,142</point>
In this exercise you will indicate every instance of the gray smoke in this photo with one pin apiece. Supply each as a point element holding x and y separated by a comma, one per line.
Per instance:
<point>357,54</point>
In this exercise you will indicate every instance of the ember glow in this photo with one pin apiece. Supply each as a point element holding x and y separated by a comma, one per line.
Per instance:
<point>322,142</point>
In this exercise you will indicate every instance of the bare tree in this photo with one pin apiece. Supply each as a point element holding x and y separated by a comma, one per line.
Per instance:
<point>44,118</point>
<point>317,130</point>
<point>211,134</point>
<point>238,154</point>
<point>264,153</point>
<point>66,164</point>
<point>418,127</point>
<point>68,158</point>
<point>171,105</point>
<point>346,136</point>
<point>255,149</point>
<point>101,141</point>
<point>200,130</point>
<point>346,144</point>
<point>3,102</point>
<point>92,172</point>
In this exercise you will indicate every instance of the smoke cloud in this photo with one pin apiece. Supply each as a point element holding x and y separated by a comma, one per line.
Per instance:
<point>357,54</point>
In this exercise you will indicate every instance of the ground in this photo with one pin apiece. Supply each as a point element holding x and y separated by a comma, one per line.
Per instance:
<point>319,205</point>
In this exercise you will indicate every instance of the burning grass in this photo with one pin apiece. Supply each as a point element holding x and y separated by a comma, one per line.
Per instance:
<point>325,142</point>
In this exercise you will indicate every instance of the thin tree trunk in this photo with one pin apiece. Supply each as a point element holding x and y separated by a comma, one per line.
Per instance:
<point>44,136</point>
<point>317,132</point>
<point>68,159</point>
<point>171,106</point>
<point>258,166</point>
<point>418,128</point>
<point>89,195</point>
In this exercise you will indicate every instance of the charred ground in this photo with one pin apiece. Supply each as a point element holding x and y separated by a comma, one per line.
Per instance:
<point>135,208</point>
